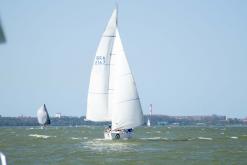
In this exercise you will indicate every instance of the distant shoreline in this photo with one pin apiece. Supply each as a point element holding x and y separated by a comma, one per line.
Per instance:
<point>156,120</point>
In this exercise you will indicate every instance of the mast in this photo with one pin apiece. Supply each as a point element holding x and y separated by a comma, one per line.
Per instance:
<point>117,14</point>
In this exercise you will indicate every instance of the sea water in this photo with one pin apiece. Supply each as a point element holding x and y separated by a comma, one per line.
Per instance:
<point>85,145</point>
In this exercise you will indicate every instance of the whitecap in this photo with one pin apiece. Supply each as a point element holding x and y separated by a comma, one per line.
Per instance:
<point>75,138</point>
<point>100,145</point>
<point>189,139</point>
<point>151,138</point>
<point>40,136</point>
<point>99,139</point>
<point>234,137</point>
<point>154,138</point>
<point>205,138</point>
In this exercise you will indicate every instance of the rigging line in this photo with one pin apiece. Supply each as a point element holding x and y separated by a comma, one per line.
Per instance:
<point>129,100</point>
<point>114,54</point>
<point>125,74</point>
<point>104,93</point>
<point>117,13</point>
<point>109,36</point>
<point>101,64</point>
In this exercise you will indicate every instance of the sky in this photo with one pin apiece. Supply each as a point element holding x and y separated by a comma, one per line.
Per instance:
<point>187,57</point>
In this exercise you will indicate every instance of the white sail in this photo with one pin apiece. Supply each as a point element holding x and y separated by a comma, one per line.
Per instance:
<point>148,123</point>
<point>112,94</point>
<point>126,107</point>
<point>43,116</point>
<point>97,101</point>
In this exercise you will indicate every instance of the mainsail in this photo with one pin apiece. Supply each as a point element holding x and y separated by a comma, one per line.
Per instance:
<point>97,101</point>
<point>43,116</point>
<point>112,94</point>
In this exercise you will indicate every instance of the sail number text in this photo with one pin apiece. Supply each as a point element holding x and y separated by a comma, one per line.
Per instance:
<point>100,60</point>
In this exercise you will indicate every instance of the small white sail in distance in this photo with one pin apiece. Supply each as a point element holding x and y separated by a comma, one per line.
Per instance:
<point>148,123</point>
<point>43,116</point>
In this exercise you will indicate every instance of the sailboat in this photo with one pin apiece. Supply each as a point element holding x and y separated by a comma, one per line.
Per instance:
<point>43,116</point>
<point>112,93</point>
<point>150,115</point>
<point>148,123</point>
<point>2,36</point>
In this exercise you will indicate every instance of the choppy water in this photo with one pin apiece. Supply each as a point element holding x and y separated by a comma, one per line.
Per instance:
<point>150,146</point>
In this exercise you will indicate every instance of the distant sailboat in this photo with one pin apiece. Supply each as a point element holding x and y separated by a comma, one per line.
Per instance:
<point>43,116</point>
<point>148,123</point>
<point>2,36</point>
<point>112,94</point>
<point>150,115</point>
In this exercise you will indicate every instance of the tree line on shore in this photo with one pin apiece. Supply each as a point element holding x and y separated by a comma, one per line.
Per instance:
<point>155,120</point>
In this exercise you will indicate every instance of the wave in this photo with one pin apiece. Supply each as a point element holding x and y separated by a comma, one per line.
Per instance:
<point>154,138</point>
<point>204,138</point>
<point>100,145</point>
<point>75,138</point>
<point>78,138</point>
<point>34,128</point>
<point>40,136</point>
<point>234,137</point>
<point>165,139</point>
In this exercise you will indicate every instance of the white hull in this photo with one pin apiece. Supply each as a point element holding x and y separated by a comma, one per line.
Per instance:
<point>122,134</point>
